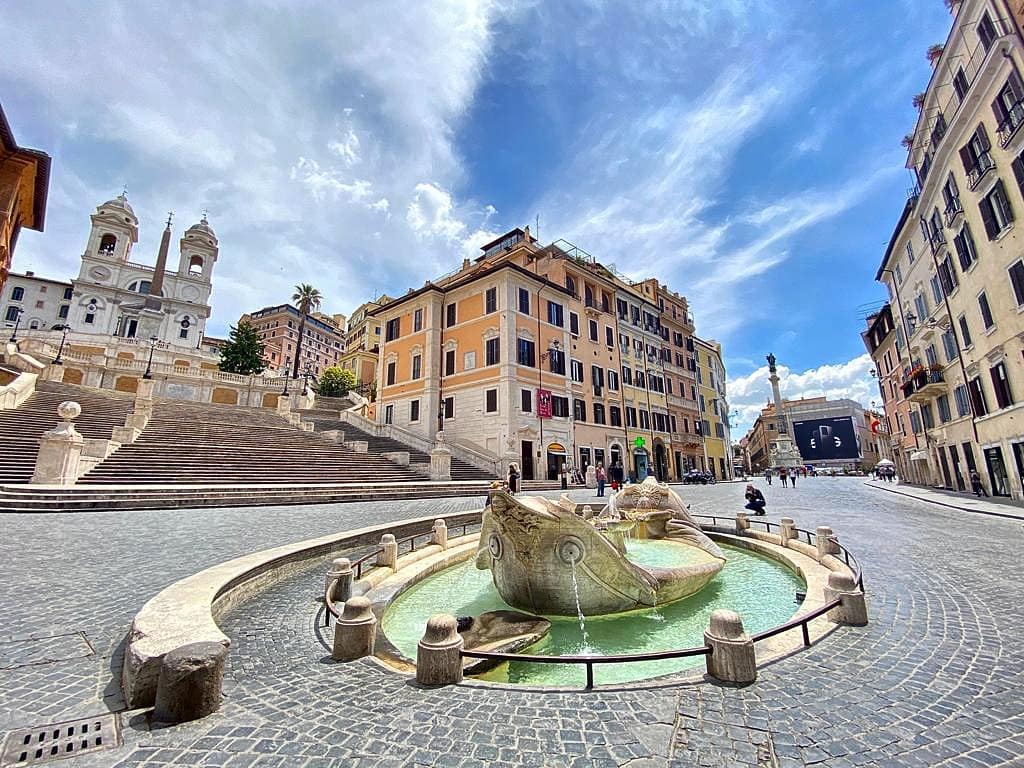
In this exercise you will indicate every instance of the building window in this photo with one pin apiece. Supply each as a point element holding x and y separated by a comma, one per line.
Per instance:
<point>559,406</point>
<point>615,415</point>
<point>1001,385</point>
<point>555,314</point>
<point>140,286</point>
<point>556,361</point>
<point>599,413</point>
<point>448,408</point>
<point>965,250</point>
<point>183,333</point>
<point>630,416</point>
<point>63,311</point>
<point>524,301</point>
<point>609,337</point>
<point>449,316</point>
<point>492,351</point>
<point>392,329</point>
<point>417,361</point>
<point>18,293</point>
<point>986,31</point>
<point>960,84</point>
<point>949,345</point>
<point>627,375</point>
<point>570,284</point>
<point>963,403</point>
<point>526,400</point>
<point>491,401</point>
<point>390,374</point>
<point>417,320</point>
<point>947,277</point>
<point>574,324</point>
<point>1017,281</point>
<point>576,370</point>
<point>613,380</point>
<point>414,411</point>
<point>579,410</point>
<point>996,211</point>
<point>975,157</point>
<point>12,315</point>
<point>977,396</point>
<point>645,420</point>
<point>449,362</point>
<point>389,414</point>
<point>525,352</point>
<point>942,404</point>
<point>491,300</point>
<point>965,331</point>
<point>593,330</point>
<point>986,311</point>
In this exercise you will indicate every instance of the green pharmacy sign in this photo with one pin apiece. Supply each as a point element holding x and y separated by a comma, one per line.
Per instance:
<point>639,442</point>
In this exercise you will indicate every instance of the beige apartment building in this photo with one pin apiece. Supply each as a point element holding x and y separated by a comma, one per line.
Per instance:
<point>362,343</point>
<point>953,269</point>
<point>278,329</point>
<point>538,355</point>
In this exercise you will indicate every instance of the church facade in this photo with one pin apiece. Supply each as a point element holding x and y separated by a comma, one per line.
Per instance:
<point>118,297</point>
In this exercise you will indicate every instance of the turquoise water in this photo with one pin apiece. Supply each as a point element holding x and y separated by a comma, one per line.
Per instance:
<point>761,590</point>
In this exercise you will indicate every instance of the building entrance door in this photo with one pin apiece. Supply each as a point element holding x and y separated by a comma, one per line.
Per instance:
<point>661,462</point>
<point>1018,455</point>
<point>641,463</point>
<point>954,457</point>
<point>584,460</point>
<point>997,471</point>
<point>945,467</point>
<point>526,459</point>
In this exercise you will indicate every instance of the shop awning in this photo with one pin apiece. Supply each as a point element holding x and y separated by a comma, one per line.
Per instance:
<point>557,448</point>
<point>919,456</point>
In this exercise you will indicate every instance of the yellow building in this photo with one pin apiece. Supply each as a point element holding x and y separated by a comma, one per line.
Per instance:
<point>24,181</point>
<point>714,408</point>
<point>362,343</point>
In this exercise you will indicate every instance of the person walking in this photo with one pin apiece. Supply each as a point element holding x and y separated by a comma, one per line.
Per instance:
<point>768,475</point>
<point>601,477</point>
<point>784,476</point>
<point>976,486</point>
<point>755,500</point>
<point>792,477</point>
<point>513,478</point>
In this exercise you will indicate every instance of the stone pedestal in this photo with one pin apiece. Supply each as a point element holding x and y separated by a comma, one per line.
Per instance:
<point>591,477</point>
<point>827,542</point>
<point>732,657</point>
<point>60,449</point>
<point>787,531</point>
<point>355,634</point>
<point>742,522</point>
<point>853,610</point>
<point>441,460</point>
<point>190,682</point>
<point>439,534</point>
<point>388,558</point>
<point>340,570</point>
<point>284,405</point>
<point>438,659</point>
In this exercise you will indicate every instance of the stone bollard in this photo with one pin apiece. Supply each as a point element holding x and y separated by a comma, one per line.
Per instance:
<point>787,530</point>
<point>742,522</point>
<point>588,512</point>
<point>341,569</point>
<point>827,542</point>
<point>438,659</point>
<point>190,682</point>
<point>853,610</point>
<point>732,657</point>
<point>388,558</point>
<point>441,459</point>
<point>60,449</point>
<point>355,634</point>
<point>439,535</point>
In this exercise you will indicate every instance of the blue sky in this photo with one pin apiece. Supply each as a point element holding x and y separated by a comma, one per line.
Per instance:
<point>745,152</point>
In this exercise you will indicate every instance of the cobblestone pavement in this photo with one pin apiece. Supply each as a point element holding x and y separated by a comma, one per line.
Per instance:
<point>934,680</point>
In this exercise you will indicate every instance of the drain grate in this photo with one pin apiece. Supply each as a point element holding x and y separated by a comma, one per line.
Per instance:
<point>43,743</point>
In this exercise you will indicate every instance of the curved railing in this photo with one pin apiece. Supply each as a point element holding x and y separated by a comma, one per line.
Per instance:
<point>588,660</point>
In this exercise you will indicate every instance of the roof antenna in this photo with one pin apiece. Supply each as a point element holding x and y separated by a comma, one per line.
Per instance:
<point>536,226</point>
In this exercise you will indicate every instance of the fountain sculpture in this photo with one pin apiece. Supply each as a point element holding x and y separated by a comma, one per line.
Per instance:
<point>535,548</point>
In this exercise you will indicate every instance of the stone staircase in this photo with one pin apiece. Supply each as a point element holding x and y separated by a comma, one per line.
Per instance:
<point>205,444</point>
<point>324,419</point>
<point>21,427</point>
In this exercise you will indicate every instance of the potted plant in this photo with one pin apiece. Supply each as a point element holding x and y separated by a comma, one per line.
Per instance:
<point>934,54</point>
<point>952,5</point>
<point>908,141</point>
<point>919,100</point>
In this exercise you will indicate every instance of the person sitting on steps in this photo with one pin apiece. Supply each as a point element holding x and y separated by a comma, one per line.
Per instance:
<point>755,500</point>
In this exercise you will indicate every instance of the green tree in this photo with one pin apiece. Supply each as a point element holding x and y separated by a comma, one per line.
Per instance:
<point>307,298</point>
<point>244,351</point>
<point>336,382</point>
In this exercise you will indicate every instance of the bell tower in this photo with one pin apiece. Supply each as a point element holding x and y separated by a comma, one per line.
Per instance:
<point>115,229</point>
<point>198,252</point>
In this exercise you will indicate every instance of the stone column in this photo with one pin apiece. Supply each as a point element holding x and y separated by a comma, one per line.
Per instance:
<point>355,634</point>
<point>742,522</point>
<point>853,610</point>
<point>732,657</point>
<point>60,449</point>
<point>826,541</point>
<point>788,531</point>
<point>438,659</point>
<point>190,682</point>
<point>388,558</point>
<point>341,569</point>
<point>439,535</point>
<point>591,477</point>
<point>441,460</point>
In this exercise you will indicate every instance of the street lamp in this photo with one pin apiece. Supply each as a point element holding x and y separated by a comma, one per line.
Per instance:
<point>287,363</point>
<point>149,364</point>
<point>63,337</point>
<point>18,312</point>
<point>307,374</point>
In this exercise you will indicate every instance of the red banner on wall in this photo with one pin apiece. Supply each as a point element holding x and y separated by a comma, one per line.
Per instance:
<point>544,403</point>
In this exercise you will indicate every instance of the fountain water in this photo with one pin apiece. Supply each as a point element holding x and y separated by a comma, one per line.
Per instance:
<point>579,610</point>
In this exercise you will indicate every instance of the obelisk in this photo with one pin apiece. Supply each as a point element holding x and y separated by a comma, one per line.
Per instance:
<point>783,451</point>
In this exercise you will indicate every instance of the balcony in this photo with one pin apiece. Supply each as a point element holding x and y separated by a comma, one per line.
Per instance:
<point>982,165</point>
<point>924,386</point>
<point>1008,128</point>
<point>953,211</point>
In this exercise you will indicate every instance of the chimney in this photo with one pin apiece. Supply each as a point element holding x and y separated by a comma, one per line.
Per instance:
<point>465,263</point>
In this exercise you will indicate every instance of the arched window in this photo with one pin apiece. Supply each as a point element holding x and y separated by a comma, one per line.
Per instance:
<point>107,244</point>
<point>195,266</point>
<point>140,286</point>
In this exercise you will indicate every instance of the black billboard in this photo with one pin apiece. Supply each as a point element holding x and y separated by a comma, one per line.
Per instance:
<point>823,439</point>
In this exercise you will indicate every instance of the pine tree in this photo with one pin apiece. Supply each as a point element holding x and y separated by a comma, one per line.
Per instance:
<point>244,351</point>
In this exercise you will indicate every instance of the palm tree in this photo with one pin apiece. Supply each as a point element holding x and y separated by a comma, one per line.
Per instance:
<point>307,298</point>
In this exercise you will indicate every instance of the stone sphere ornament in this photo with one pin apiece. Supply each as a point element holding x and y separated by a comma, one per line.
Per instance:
<point>69,410</point>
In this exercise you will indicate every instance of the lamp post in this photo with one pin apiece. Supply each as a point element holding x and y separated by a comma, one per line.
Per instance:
<point>63,337</point>
<point>149,363</point>
<point>287,363</point>
<point>18,312</point>
<point>307,374</point>
<point>552,350</point>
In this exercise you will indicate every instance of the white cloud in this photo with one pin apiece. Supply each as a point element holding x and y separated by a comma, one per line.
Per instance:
<point>347,148</point>
<point>430,213</point>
